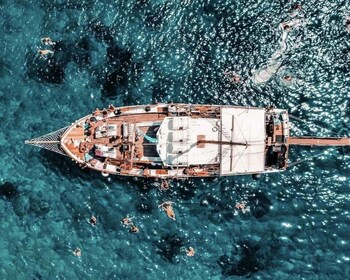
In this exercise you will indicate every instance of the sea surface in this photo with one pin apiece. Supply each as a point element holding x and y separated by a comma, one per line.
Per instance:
<point>138,52</point>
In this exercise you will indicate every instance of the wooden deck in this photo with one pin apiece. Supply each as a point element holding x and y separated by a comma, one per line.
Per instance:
<point>315,141</point>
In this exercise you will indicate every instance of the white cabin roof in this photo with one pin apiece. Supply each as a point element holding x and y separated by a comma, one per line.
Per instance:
<point>178,140</point>
<point>243,125</point>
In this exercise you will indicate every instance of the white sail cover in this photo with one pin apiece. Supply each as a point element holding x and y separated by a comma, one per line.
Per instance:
<point>242,125</point>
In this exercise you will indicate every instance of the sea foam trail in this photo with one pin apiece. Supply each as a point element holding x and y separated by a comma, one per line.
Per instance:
<point>276,60</point>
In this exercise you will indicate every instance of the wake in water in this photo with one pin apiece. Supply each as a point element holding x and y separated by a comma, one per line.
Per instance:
<point>276,60</point>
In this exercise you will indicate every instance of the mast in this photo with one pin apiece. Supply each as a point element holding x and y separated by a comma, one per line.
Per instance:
<point>319,141</point>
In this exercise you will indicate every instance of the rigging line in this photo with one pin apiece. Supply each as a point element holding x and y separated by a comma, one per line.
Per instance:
<point>306,122</point>
<point>241,131</point>
<point>239,158</point>
<point>306,159</point>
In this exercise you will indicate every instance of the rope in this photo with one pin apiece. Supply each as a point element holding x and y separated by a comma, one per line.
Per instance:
<point>306,122</point>
<point>50,141</point>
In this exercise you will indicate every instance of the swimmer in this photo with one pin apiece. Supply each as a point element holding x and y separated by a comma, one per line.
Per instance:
<point>242,206</point>
<point>93,221</point>
<point>190,252</point>
<point>127,221</point>
<point>164,186</point>
<point>232,76</point>
<point>287,78</point>
<point>77,252</point>
<point>45,53</point>
<point>285,26</point>
<point>47,41</point>
<point>168,208</point>
<point>134,229</point>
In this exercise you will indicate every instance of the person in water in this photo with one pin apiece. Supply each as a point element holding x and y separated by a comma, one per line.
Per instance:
<point>168,208</point>
<point>127,221</point>
<point>190,251</point>
<point>164,185</point>
<point>77,252</point>
<point>242,206</point>
<point>47,41</point>
<point>134,229</point>
<point>93,221</point>
<point>287,78</point>
<point>45,53</point>
<point>232,76</point>
<point>347,24</point>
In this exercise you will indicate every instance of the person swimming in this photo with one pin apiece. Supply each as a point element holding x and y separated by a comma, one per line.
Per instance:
<point>93,221</point>
<point>190,251</point>
<point>168,208</point>
<point>242,206</point>
<point>164,185</point>
<point>77,252</point>
<point>134,229</point>
<point>232,76</point>
<point>45,53</point>
<point>127,221</point>
<point>287,78</point>
<point>47,41</point>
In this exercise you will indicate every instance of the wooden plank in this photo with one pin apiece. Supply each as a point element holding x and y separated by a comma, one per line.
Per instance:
<point>318,141</point>
<point>199,143</point>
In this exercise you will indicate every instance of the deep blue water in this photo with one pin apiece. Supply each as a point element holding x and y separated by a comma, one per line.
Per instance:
<point>135,52</point>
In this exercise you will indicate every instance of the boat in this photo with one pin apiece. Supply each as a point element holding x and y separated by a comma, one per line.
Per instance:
<point>179,141</point>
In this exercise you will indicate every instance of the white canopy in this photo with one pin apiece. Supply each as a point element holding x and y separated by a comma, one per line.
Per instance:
<point>242,126</point>
<point>236,140</point>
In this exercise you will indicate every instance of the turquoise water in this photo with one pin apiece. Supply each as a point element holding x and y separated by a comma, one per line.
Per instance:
<point>135,52</point>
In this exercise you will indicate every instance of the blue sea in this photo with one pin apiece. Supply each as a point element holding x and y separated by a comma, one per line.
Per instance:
<point>293,55</point>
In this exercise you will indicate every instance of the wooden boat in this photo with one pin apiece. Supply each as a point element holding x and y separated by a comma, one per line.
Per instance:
<point>180,140</point>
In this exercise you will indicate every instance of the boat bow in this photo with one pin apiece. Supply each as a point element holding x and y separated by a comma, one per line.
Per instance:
<point>50,141</point>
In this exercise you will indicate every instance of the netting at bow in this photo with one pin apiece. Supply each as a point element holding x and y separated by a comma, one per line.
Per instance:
<point>49,141</point>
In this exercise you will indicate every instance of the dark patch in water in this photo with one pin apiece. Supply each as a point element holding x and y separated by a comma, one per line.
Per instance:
<point>245,265</point>
<point>66,167</point>
<point>169,247</point>
<point>145,204</point>
<point>21,206</point>
<point>156,19</point>
<point>52,68</point>
<point>8,191</point>
<point>39,207</point>
<point>259,204</point>
<point>248,257</point>
<point>101,32</point>
<point>186,190</point>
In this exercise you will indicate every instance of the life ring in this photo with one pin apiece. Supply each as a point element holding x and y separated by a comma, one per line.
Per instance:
<point>104,174</point>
